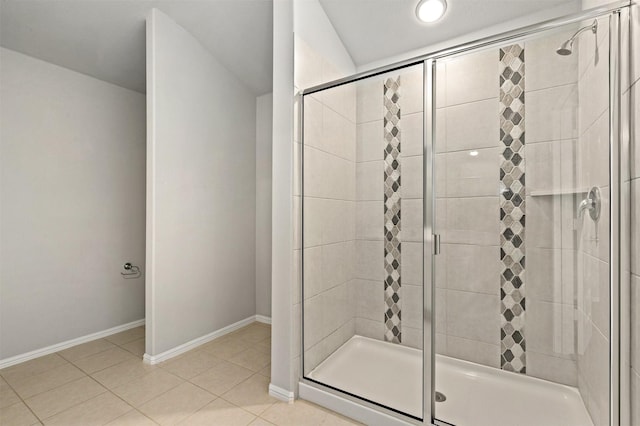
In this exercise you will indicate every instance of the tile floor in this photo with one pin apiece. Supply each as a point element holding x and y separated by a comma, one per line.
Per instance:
<point>104,382</point>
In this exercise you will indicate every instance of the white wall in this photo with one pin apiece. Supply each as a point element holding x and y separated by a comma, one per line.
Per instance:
<point>201,193</point>
<point>311,24</point>
<point>72,192</point>
<point>264,117</point>
<point>283,341</point>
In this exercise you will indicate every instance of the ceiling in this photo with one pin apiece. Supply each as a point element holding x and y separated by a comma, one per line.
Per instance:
<point>106,38</point>
<point>373,30</point>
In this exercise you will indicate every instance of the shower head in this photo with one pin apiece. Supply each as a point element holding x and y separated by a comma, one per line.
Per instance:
<point>566,48</point>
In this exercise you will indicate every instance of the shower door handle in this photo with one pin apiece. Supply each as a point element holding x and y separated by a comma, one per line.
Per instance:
<point>436,244</point>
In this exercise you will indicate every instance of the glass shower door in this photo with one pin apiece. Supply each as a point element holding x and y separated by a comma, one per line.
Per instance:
<point>362,246</point>
<point>522,209</point>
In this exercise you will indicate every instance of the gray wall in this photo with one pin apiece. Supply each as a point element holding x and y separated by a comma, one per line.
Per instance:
<point>72,191</point>
<point>201,191</point>
<point>264,115</point>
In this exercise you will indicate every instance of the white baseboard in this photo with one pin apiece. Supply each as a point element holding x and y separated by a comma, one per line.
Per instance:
<point>8,362</point>
<point>263,319</point>
<point>281,394</point>
<point>155,359</point>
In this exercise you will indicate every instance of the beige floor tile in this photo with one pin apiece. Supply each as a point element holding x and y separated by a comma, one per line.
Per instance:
<point>190,364</point>
<point>136,347</point>
<point>254,333</point>
<point>260,422</point>
<point>126,336</point>
<point>104,359</point>
<point>122,373</point>
<point>265,344</point>
<point>132,418</point>
<point>221,377</point>
<point>147,387</point>
<point>7,395</point>
<point>226,347</point>
<point>94,412</point>
<point>301,413</point>
<point>219,412</point>
<point>17,415</point>
<point>252,395</point>
<point>176,405</point>
<point>338,420</point>
<point>28,386</point>
<point>266,371</point>
<point>86,349</point>
<point>33,367</point>
<point>255,359</point>
<point>57,400</point>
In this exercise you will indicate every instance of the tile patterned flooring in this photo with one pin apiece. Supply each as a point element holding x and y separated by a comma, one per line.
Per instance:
<point>104,382</point>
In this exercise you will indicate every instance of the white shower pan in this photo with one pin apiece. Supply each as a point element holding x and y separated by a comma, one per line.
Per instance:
<point>476,395</point>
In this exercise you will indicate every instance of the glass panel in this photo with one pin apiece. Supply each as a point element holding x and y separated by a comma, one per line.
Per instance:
<point>522,206</point>
<point>362,239</point>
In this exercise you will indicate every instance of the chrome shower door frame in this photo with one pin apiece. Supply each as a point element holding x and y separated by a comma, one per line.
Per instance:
<point>430,240</point>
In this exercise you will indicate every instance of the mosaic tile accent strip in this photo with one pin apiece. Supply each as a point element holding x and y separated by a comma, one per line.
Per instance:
<point>392,204</point>
<point>512,209</point>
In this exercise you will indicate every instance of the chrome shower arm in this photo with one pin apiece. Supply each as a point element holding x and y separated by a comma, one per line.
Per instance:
<point>593,27</point>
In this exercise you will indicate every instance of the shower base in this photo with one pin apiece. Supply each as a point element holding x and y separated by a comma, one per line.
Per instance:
<point>476,395</point>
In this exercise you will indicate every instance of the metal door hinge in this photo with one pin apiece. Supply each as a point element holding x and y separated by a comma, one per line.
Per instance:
<point>436,244</point>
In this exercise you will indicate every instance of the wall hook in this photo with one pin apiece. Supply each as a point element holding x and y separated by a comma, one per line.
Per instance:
<point>133,271</point>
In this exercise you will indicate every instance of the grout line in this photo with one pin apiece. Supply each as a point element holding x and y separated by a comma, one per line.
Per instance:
<point>82,402</point>
<point>323,104</point>
<point>306,145</point>
<point>109,366</point>
<point>133,408</point>
<point>22,400</point>
<point>559,140</point>
<point>574,83</point>
<point>497,294</point>
<point>605,112</point>
<point>105,389</point>
<point>40,393</point>
<point>90,355</point>
<point>492,98</point>
<point>325,198</point>
<point>136,410</point>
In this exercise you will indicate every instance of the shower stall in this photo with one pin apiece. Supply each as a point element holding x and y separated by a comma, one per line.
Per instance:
<point>461,233</point>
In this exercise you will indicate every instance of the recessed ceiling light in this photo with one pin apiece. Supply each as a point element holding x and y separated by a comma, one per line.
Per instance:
<point>431,10</point>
